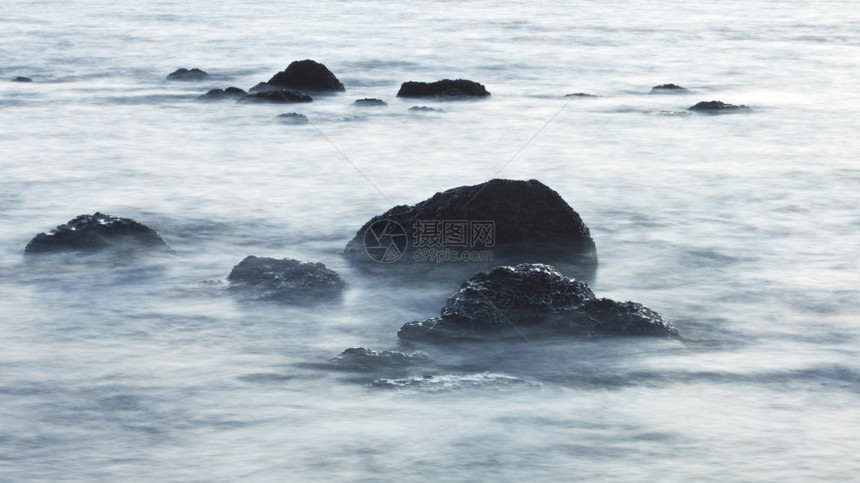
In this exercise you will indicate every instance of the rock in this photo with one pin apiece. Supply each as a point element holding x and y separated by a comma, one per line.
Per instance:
<point>307,75</point>
<point>293,118</point>
<point>184,74</point>
<point>90,233</point>
<point>446,89</point>
<point>716,107</point>
<point>286,280</point>
<point>521,217</point>
<point>370,102</point>
<point>580,94</point>
<point>22,79</point>
<point>669,89</point>
<point>424,109</point>
<point>219,94</point>
<point>532,300</point>
<point>362,358</point>
<point>279,96</point>
<point>263,87</point>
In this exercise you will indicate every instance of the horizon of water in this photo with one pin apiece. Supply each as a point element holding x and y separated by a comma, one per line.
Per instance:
<point>740,229</point>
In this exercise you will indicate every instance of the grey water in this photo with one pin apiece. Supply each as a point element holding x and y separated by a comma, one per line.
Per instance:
<point>741,229</point>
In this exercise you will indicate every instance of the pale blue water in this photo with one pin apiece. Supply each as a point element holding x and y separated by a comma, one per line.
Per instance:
<point>741,229</point>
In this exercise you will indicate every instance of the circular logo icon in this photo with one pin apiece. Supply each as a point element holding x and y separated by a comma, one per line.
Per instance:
<point>385,241</point>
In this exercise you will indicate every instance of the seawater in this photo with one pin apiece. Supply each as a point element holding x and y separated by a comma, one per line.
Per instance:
<point>741,229</point>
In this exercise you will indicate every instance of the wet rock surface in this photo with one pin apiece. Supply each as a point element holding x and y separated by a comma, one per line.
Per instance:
<point>287,280</point>
<point>282,96</point>
<point>507,216</point>
<point>446,89</point>
<point>90,233</point>
<point>220,94</point>
<point>717,107</point>
<point>370,102</point>
<point>669,89</point>
<point>22,79</point>
<point>307,75</point>
<point>532,300</point>
<point>293,118</point>
<point>184,74</point>
<point>360,358</point>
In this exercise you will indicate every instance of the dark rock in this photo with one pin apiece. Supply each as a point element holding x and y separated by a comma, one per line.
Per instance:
<point>370,102</point>
<point>580,94</point>
<point>362,358</point>
<point>219,94</point>
<point>506,215</point>
<point>22,79</point>
<point>263,87</point>
<point>717,107</point>
<point>669,89</point>
<point>293,118</point>
<point>90,233</point>
<point>287,280</point>
<point>307,75</point>
<point>424,109</point>
<point>446,89</point>
<point>184,74</point>
<point>280,96</point>
<point>533,300</point>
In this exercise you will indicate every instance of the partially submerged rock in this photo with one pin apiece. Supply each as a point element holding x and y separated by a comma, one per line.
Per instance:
<point>22,79</point>
<point>447,89</point>
<point>280,96</point>
<point>220,94</point>
<point>184,74</point>
<point>363,358</point>
<point>716,107</point>
<point>293,118</point>
<point>530,300</point>
<point>580,94</point>
<point>424,109</point>
<point>90,233</point>
<point>307,75</point>
<point>502,215</point>
<point>288,280</point>
<point>370,102</point>
<point>669,89</point>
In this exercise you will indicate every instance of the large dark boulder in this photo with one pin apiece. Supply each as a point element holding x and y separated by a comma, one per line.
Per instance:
<point>286,280</point>
<point>90,233</point>
<point>717,107</point>
<point>184,74</point>
<point>505,216</point>
<point>532,300</point>
<point>220,94</point>
<point>282,96</point>
<point>307,75</point>
<point>445,89</point>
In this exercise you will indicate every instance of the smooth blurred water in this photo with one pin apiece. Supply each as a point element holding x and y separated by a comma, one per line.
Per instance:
<point>742,229</point>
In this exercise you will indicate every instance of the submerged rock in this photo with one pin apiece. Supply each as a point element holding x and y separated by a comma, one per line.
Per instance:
<point>219,94</point>
<point>22,79</point>
<point>533,300</point>
<point>368,102</point>
<point>293,118</point>
<point>90,233</point>
<point>716,107</point>
<point>669,89</point>
<point>184,74</point>
<point>580,94</point>
<point>279,96</point>
<point>307,75</point>
<point>288,280</point>
<point>362,358</point>
<point>424,109</point>
<point>508,216</point>
<point>446,88</point>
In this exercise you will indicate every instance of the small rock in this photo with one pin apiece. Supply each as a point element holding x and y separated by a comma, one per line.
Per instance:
<point>22,79</point>
<point>293,118</point>
<point>307,75</point>
<point>280,96</point>
<point>669,89</point>
<point>446,89</point>
<point>219,94</point>
<point>89,233</point>
<point>424,109</point>
<point>716,107</point>
<point>370,102</point>
<point>287,280</point>
<point>184,74</point>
